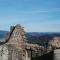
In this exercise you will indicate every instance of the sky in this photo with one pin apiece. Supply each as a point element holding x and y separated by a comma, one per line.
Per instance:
<point>33,15</point>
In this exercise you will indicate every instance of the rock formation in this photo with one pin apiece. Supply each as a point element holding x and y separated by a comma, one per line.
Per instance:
<point>55,43</point>
<point>14,46</point>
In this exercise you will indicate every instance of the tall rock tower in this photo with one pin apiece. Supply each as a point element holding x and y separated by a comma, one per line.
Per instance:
<point>16,43</point>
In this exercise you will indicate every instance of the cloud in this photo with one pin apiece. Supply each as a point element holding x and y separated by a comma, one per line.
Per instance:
<point>41,11</point>
<point>34,11</point>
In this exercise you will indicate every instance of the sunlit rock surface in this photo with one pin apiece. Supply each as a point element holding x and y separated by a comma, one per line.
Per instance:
<point>57,54</point>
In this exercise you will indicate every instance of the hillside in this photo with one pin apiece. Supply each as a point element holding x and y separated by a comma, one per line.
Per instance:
<point>3,34</point>
<point>35,37</point>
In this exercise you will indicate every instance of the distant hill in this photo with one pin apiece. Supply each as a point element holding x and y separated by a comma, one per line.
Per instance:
<point>35,37</point>
<point>41,38</point>
<point>3,34</point>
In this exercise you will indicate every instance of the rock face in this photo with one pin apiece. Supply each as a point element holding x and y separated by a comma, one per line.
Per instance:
<point>55,42</point>
<point>14,46</point>
<point>3,52</point>
<point>57,54</point>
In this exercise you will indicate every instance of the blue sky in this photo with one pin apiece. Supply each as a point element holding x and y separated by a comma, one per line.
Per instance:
<point>34,15</point>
